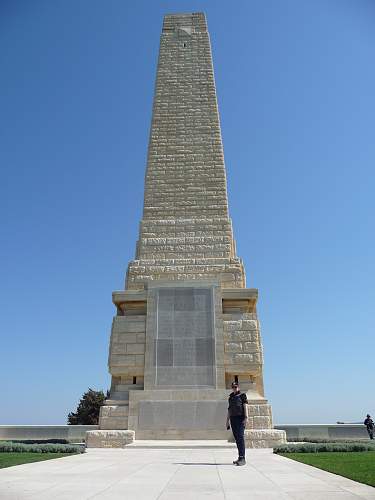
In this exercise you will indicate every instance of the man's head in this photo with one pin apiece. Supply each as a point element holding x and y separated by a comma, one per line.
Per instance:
<point>235,387</point>
<point>368,416</point>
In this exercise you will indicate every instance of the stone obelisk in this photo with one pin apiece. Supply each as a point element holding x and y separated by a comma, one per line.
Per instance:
<point>186,325</point>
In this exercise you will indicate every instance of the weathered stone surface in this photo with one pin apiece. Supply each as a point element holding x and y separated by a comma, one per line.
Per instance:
<point>262,422</point>
<point>109,438</point>
<point>185,232</point>
<point>259,410</point>
<point>114,411</point>
<point>128,324</point>
<point>140,359</point>
<point>250,346</point>
<point>135,348</point>
<point>182,415</point>
<point>125,360</point>
<point>113,423</point>
<point>244,358</point>
<point>233,346</point>
<point>263,438</point>
<point>241,333</point>
<point>249,324</point>
<point>268,438</point>
<point>239,336</point>
<point>232,325</point>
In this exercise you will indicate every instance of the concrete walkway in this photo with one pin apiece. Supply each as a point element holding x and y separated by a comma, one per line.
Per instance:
<point>192,472</point>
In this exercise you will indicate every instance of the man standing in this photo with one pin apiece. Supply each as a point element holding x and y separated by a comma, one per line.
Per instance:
<point>237,416</point>
<point>369,423</point>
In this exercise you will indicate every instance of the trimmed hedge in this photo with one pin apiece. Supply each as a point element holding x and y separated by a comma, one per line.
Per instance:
<point>39,441</point>
<point>10,447</point>
<point>322,440</point>
<point>318,447</point>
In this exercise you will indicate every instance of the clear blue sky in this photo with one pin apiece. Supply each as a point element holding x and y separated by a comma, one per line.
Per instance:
<point>295,82</point>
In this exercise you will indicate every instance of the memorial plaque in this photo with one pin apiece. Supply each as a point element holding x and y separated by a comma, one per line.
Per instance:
<point>184,343</point>
<point>182,415</point>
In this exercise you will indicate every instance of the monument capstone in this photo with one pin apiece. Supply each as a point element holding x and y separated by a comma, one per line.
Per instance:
<point>186,325</point>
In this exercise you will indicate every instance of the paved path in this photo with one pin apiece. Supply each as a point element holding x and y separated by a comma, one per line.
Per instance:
<point>169,473</point>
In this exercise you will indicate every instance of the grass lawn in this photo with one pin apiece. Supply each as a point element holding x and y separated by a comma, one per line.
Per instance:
<point>359,465</point>
<point>14,458</point>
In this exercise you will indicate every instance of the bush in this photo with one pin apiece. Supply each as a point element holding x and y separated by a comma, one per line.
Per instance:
<point>322,440</point>
<point>11,447</point>
<point>88,408</point>
<point>318,447</point>
<point>40,441</point>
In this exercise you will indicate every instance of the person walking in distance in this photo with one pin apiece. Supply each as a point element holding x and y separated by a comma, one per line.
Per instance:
<point>369,423</point>
<point>236,419</point>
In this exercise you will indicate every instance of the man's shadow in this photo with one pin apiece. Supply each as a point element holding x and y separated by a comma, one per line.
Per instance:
<point>201,463</point>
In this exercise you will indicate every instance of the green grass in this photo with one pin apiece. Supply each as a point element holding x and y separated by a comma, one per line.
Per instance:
<point>8,459</point>
<point>359,466</point>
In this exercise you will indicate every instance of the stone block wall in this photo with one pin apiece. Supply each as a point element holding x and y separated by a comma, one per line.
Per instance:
<point>186,232</point>
<point>127,345</point>
<point>260,416</point>
<point>186,238</point>
<point>229,271</point>
<point>186,249</point>
<point>185,169</point>
<point>114,417</point>
<point>243,352</point>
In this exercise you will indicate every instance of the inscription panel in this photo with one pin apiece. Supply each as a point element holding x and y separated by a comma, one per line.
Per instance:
<point>184,342</point>
<point>182,415</point>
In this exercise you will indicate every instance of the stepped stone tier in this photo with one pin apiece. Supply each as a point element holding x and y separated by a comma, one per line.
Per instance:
<point>186,325</point>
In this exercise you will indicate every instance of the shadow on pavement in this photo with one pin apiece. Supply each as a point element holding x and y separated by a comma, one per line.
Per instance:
<point>200,463</point>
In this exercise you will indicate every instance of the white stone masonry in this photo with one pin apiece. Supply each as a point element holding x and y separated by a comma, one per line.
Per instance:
<point>185,232</point>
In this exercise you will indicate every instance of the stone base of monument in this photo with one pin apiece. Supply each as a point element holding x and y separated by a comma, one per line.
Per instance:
<point>189,414</point>
<point>114,416</point>
<point>262,438</point>
<point>109,438</point>
<point>165,415</point>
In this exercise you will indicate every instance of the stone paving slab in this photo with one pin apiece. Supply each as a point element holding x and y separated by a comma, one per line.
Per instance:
<point>179,444</point>
<point>186,473</point>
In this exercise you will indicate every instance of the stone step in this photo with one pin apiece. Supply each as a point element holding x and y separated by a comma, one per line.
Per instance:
<point>114,423</point>
<point>120,395</point>
<point>114,411</point>
<point>179,444</point>
<point>130,387</point>
<point>116,402</point>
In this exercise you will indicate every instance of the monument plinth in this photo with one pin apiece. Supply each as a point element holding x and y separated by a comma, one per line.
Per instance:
<point>186,325</point>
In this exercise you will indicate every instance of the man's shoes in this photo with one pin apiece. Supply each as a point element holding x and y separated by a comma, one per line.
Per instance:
<point>241,461</point>
<point>235,461</point>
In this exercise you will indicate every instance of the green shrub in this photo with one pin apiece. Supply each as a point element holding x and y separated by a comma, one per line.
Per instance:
<point>40,441</point>
<point>319,447</point>
<point>322,440</point>
<point>9,447</point>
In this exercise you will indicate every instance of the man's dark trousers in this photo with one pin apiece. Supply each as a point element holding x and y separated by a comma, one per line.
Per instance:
<point>238,430</point>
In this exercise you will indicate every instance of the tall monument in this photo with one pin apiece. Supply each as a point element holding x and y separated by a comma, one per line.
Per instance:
<point>186,325</point>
